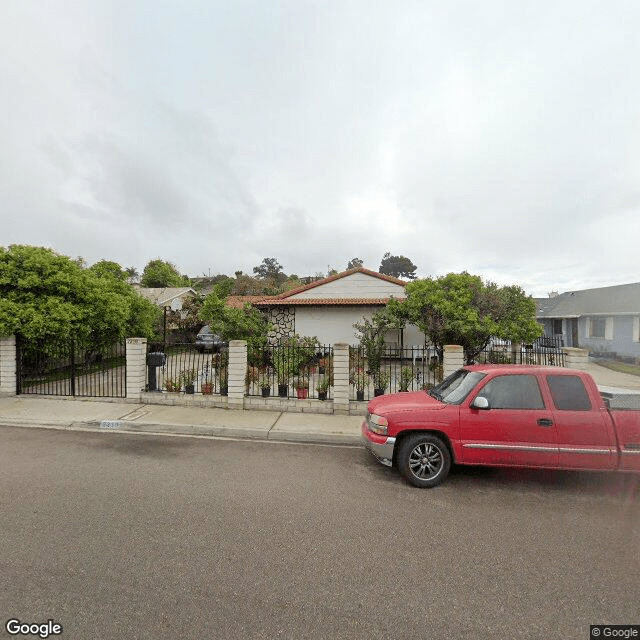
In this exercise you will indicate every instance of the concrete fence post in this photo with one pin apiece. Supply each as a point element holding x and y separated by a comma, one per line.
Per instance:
<point>136,349</point>
<point>237,373</point>
<point>575,358</point>
<point>341,378</point>
<point>8,372</point>
<point>453,359</point>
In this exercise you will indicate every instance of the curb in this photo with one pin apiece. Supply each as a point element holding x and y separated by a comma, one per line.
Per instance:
<point>124,426</point>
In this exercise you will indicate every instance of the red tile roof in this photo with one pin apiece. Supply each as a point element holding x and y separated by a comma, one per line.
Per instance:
<point>284,299</point>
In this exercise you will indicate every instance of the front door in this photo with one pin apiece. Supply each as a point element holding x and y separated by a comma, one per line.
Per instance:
<point>516,430</point>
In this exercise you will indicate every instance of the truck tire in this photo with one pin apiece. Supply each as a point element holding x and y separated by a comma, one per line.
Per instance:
<point>424,460</point>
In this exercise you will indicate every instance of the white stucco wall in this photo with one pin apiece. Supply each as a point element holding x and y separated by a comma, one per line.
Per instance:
<point>356,285</point>
<point>335,324</point>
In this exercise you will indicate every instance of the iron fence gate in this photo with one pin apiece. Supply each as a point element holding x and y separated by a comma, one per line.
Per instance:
<point>69,368</point>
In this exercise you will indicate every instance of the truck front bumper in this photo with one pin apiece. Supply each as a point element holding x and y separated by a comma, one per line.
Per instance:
<point>380,446</point>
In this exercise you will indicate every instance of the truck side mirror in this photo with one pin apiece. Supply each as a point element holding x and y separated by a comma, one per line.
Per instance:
<point>480,402</point>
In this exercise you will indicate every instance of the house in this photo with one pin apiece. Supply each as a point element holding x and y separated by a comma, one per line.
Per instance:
<point>606,320</point>
<point>328,308</point>
<point>169,298</point>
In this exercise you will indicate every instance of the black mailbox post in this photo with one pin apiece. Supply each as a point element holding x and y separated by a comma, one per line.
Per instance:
<point>154,360</point>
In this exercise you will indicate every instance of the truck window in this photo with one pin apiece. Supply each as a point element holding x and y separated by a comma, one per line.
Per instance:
<point>569,393</point>
<point>513,392</point>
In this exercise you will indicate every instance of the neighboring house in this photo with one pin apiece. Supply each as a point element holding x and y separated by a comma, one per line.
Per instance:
<point>606,321</point>
<point>328,308</point>
<point>167,297</point>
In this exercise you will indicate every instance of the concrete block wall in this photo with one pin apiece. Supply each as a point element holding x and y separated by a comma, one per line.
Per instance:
<point>341,378</point>
<point>237,373</point>
<point>8,382</point>
<point>453,359</point>
<point>136,349</point>
<point>576,358</point>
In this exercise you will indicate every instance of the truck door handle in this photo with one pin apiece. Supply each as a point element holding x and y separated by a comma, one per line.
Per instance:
<point>545,422</point>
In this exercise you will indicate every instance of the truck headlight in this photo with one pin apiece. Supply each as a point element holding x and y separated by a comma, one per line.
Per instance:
<point>378,424</point>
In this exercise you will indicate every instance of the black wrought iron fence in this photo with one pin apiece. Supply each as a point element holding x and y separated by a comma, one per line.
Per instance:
<point>400,369</point>
<point>546,351</point>
<point>285,370</point>
<point>187,370</point>
<point>71,368</point>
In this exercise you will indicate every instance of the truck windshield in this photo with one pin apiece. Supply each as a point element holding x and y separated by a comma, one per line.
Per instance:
<point>456,387</point>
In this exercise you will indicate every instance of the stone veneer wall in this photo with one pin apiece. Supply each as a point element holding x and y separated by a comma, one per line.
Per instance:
<point>284,321</point>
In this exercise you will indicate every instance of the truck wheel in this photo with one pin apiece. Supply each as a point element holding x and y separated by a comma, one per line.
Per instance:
<point>424,460</point>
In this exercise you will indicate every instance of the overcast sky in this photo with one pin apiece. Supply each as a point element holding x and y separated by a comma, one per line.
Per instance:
<point>501,138</point>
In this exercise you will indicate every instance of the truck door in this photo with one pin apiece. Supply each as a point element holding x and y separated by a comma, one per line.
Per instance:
<point>585,433</point>
<point>516,429</point>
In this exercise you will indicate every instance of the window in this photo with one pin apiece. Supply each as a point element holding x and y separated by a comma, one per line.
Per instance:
<point>557,327</point>
<point>601,328</point>
<point>598,327</point>
<point>569,393</point>
<point>513,392</point>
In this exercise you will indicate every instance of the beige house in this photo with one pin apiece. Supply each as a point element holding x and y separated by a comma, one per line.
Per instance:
<point>167,297</point>
<point>328,308</point>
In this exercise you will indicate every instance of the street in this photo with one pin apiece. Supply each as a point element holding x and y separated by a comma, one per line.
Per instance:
<point>129,536</point>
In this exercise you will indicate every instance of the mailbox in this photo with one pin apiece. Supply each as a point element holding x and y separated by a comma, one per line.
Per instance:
<point>156,359</point>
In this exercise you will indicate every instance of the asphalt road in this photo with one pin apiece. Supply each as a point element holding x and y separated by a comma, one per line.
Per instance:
<point>133,536</point>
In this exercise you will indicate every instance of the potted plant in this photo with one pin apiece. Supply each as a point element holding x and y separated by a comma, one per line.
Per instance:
<point>380,382</point>
<point>189,376</point>
<point>224,382</point>
<point>406,378</point>
<point>323,387</point>
<point>265,385</point>
<point>206,388</point>
<point>173,385</point>
<point>301,384</point>
<point>251,377</point>
<point>358,378</point>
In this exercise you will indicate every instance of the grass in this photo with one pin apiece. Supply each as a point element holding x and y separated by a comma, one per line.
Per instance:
<point>620,367</point>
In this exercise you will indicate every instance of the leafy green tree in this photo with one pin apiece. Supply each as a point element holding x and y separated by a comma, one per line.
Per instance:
<point>397,266</point>
<point>46,297</point>
<point>159,273</point>
<point>109,268</point>
<point>234,324</point>
<point>372,334</point>
<point>354,263</point>
<point>460,308</point>
<point>270,269</point>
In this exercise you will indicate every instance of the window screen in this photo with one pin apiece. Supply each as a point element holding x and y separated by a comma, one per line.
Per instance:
<point>569,393</point>
<point>513,392</point>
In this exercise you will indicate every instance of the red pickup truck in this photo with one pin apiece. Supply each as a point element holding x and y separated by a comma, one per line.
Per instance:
<point>505,415</point>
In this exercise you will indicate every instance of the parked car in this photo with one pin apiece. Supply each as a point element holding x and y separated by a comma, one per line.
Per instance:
<point>208,341</point>
<point>505,415</point>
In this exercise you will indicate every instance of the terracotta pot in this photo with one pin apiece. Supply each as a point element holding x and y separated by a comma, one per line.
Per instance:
<point>302,393</point>
<point>207,389</point>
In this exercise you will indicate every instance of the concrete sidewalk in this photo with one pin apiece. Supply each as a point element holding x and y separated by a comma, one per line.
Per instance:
<point>121,416</point>
<point>74,413</point>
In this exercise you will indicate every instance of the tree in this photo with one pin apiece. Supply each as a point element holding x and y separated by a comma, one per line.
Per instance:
<point>270,269</point>
<point>109,268</point>
<point>354,263</point>
<point>397,266</point>
<point>460,308</point>
<point>372,333</point>
<point>159,273</point>
<point>234,324</point>
<point>132,274</point>
<point>46,297</point>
